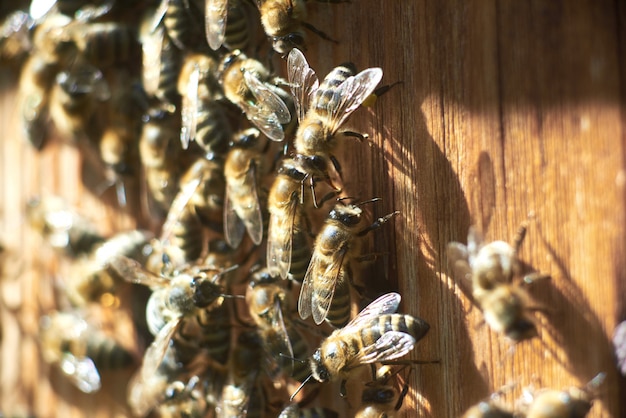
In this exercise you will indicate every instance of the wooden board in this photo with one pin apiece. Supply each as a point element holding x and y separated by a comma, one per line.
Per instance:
<point>504,109</point>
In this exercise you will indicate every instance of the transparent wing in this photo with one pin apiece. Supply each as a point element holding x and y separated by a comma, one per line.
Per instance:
<point>351,93</point>
<point>159,14</point>
<point>141,395</point>
<point>152,46</point>
<point>458,257</point>
<point>254,222</point>
<point>277,340</point>
<point>233,225</point>
<point>133,272</point>
<point>390,346</point>
<point>385,304</point>
<point>269,112</point>
<point>215,15</point>
<point>302,80</point>
<point>81,371</point>
<point>179,204</point>
<point>189,110</point>
<point>279,241</point>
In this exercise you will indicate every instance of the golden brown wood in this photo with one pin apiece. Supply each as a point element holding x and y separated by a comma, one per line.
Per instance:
<point>506,108</point>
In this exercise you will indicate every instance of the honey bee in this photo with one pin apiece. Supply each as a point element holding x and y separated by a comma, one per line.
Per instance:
<point>268,304</point>
<point>242,170</point>
<point>248,84</point>
<point>294,411</point>
<point>79,349</point>
<point>376,334</point>
<point>381,399</point>
<point>491,269</point>
<point>162,62</point>
<point>287,237</point>
<point>158,151</point>
<point>63,228</point>
<point>242,395</point>
<point>574,402</point>
<point>487,409</point>
<point>322,108</point>
<point>91,278</point>
<point>235,34</point>
<point>203,117</point>
<point>74,100</point>
<point>198,203</point>
<point>325,291</point>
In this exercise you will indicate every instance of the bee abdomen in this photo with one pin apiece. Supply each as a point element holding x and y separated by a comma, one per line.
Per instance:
<point>338,314</point>
<point>108,354</point>
<point>171,62</point>
<point>237,35</point>
<point>107,44</point>
<point>213,128</point>
<point>407,324</point>
<point>300,255</point>
<point>184,26</point>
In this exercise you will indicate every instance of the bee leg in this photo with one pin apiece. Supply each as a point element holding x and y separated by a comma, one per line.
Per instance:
<point>531,278</point>
<point>319,32</point>
<point>519,236</point>
<point>343,391</point>
<point>361,137</point>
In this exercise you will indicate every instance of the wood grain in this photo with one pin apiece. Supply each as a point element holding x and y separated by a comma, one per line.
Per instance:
<point>505,108</point>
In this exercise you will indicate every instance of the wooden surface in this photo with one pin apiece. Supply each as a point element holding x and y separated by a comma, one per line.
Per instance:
<point>506,108</point>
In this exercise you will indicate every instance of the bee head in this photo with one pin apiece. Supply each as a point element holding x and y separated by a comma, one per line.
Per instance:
<point>205,293</point>
<point>349,215</point>
<point>284,44</point>
<point>521,330</point>
<point>229,60</point>
<point>320,372</point>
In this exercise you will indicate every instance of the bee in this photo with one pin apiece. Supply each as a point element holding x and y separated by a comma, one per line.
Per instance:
<point>294,411</point>
<point>159,150</point>
<point>63,228</point>
<point>91,279</point>
<point>287,237</point>
<point>199,203</point>
<point>325,291</point>
<point>74,101</point>
<point>268,304</point>
<point>204,118</point>
<point>376,334</point>
<point>242,395</point>
<point>226,24</point>
<point>243,168</point>
<point>322,108</point>
<point>574,402</point>
<point>80,349</point>
<point>248,84</point>
<point>160,382</point>
<point>162,62</point>
<point>491,269</point>
<point>381,399</point>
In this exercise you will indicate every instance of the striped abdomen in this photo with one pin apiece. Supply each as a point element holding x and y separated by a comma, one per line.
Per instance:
<point>407,324</point>
<point>326,98</point>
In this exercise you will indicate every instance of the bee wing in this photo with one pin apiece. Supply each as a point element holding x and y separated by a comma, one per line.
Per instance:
<point>351,93</point>
<point>189,110</point>
<point>151,46</point>
<point>215,14</point>
<point>390,346</point>
<point>385,304</point>
<point>302,80</point>
<point>159,14</point>
<point>254,223</point>
<point>233,225</point>
<point>330,273</point>
<point>140,395</point>
<point>132,271</point>
<point>81,371</point>
<point>279,240</point>
<point>269,112</point>
<point>179,204</point>
<point>458,257</point>
<point>284,346</point>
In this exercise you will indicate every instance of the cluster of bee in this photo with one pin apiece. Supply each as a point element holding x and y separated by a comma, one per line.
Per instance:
<point>164,91</point>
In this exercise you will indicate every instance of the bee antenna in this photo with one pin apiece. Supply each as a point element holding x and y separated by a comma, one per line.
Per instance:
<point>300,387</point>
<point>292,358</point>
<point>372,200</point>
